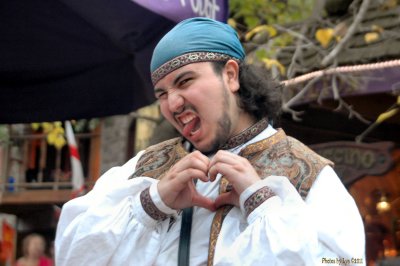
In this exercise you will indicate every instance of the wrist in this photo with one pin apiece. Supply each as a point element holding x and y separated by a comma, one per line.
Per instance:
<point>153,204</point>
<point>254,196</point>
<point>256,199</point>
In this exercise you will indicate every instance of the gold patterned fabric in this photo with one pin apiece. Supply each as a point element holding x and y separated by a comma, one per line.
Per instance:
<point>257,198</point>
<point>150,208</point>
<point>158,158</point>
<point>286,156</point>
<point>277,155</point>
<point>246,135</point>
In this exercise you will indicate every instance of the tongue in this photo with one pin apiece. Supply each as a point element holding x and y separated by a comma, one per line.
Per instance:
<point>189,127</point>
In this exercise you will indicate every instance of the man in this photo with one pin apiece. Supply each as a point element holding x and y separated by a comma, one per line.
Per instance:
<point>231,191</point>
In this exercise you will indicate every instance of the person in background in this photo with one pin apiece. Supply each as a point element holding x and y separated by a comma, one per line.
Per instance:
<point>232,190</point>
<point>33,250</point>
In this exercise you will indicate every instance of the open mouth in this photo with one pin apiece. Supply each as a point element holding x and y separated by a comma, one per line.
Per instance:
<point>191,125</point>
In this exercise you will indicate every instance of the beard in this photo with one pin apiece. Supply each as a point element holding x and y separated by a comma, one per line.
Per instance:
<point>223,130</point>
<point>222,135</point>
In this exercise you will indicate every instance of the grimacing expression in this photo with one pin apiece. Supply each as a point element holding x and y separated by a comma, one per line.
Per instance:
<point>200,103</point>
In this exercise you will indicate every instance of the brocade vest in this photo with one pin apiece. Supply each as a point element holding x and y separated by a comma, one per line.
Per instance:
<point>276,155</point>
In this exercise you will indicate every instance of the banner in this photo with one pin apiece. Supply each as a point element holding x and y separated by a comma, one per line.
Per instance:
<point>78,180</point>
<point>177,10</point>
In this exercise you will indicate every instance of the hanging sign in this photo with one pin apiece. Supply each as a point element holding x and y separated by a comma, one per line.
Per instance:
<point>355,160</point>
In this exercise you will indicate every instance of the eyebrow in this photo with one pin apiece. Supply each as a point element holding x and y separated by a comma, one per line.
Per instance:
<point>176,80</point>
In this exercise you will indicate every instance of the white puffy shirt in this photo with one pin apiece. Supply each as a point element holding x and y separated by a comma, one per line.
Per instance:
<point>108,226</point>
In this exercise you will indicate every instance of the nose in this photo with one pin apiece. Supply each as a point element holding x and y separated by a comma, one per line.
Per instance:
<point>175,102</point>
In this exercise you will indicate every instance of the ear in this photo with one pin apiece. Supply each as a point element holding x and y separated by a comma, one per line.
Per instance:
<point>231,71</point>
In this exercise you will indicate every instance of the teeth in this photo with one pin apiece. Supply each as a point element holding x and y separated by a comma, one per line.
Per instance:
<point>187,119</point>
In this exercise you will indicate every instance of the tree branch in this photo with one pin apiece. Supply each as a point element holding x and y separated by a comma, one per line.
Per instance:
<point>343,104</point>
<point>357,21</point>
<point>301,93</point>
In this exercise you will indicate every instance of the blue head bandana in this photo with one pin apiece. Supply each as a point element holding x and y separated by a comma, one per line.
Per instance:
<point>194,40</point>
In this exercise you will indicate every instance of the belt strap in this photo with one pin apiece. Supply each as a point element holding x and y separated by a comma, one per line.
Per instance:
<point>184,240</point>
<point>186,229</point>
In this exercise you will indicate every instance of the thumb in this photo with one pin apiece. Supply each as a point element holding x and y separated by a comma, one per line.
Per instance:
<point>204,202</point>
<point>228,198</point>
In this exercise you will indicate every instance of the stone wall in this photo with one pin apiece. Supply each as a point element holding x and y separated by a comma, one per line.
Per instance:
<point>116,133</point>
<point>114,139</point>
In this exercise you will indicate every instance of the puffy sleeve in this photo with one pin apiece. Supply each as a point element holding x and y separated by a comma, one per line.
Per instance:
<point>326,228</point>
<point>108,226</point>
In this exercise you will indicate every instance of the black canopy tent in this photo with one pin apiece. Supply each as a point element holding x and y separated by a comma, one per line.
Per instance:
<point>73,59</point>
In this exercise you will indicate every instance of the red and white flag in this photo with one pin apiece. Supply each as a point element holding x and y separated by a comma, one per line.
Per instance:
<point>78,180</point>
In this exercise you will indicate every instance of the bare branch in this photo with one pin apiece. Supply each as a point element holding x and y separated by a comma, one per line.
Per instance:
<point>300,95</point>
<point>360,137</point>
<point>321,94</point>
<point>316,15</point>
<point>357,21</point>
<point>298,35</point>
<point>343,104</point>
<point>335,89</point>
<point>295,114</point>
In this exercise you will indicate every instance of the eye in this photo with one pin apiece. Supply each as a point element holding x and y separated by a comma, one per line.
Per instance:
<point>161,95</point>
<point>184,82</point>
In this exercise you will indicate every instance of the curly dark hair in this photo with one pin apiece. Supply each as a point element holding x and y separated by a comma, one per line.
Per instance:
<point>259,94</point>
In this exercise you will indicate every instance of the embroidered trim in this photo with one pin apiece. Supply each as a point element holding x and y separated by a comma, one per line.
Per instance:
<point>215,229</point>
<point>263,145</point>
<point>150,208</point>
<point>185,59</point>
<point>218,219</point>
<point>257,198</point>
<point>246,135</point>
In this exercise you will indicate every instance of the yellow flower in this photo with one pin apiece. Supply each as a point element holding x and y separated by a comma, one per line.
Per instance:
<point>47,127</point>
<point>51,138</point>
<point>35,126</point>
<point>59,142</point>
<point>55,134</point>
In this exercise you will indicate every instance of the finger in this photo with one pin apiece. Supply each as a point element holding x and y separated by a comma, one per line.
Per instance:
<point>200,200</point>
<point>188,162</point>
<point>188,175</point>
<point>227,157</point>
<point>180,180</point>
<point>203,202</point>
<point>239,178</point>
<point>228,198</point>
<point>226,163</point>
<point>195,160</point>
<point>224,169</point>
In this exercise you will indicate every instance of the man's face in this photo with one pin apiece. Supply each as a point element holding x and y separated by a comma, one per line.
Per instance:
<point>200,104</point>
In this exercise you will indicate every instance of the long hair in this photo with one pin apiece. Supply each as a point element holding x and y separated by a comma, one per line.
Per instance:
<point>259,95</point>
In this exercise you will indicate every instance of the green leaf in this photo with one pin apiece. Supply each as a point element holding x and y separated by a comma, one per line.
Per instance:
<point>252,21</point>
<point>261,53</point>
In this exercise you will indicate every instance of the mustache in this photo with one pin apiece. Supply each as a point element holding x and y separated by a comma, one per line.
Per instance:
<point>184,108</point>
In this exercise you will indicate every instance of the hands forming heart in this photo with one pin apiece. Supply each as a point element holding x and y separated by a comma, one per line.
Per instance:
<point>177,188</point>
